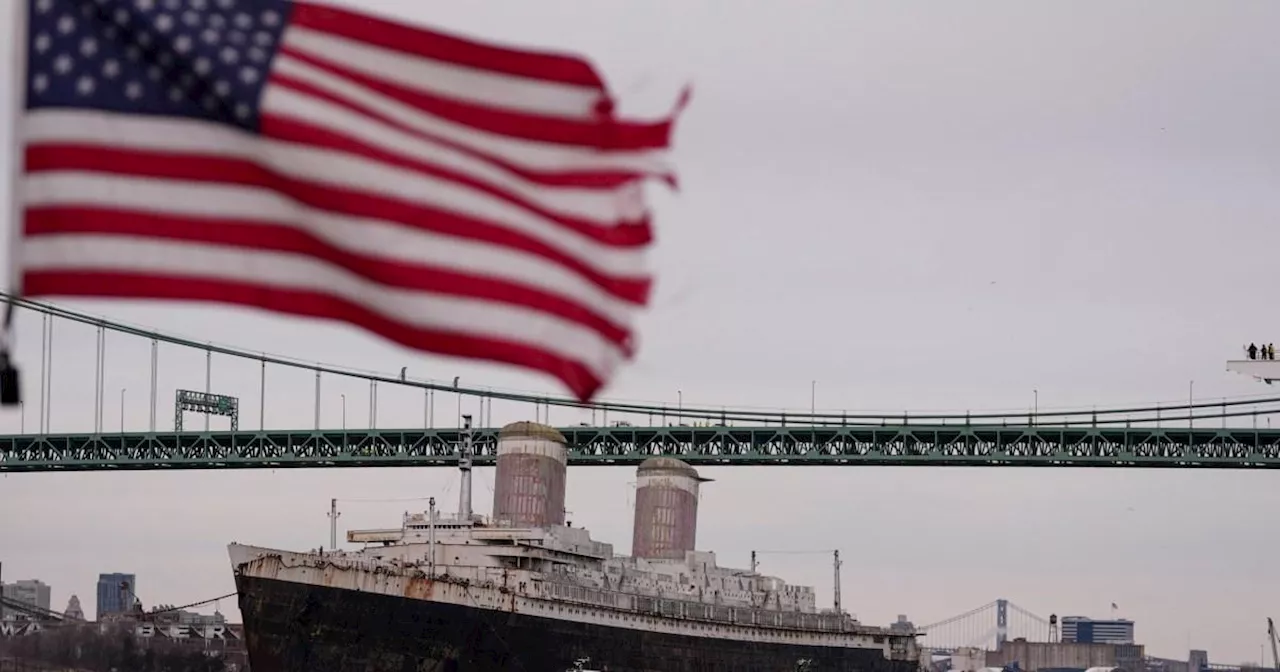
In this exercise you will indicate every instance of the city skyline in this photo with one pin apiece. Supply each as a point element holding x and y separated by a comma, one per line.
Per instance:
<point>37,593</point>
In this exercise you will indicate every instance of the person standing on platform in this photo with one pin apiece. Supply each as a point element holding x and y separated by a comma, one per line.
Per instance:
<point>1253,351</point>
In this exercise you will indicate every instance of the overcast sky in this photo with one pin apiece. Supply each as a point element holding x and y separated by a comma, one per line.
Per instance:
<point>918,206</point>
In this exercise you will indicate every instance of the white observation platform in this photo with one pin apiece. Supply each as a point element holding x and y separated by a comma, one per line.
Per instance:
<point>1266,370</point>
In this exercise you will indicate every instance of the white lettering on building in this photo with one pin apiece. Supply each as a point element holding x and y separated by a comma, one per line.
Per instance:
<point>142,630</point>
<point>185,631</point>
<point>15,629</point>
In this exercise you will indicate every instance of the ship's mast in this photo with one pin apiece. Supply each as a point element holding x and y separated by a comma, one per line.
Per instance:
<point>837,582</point>
<point>464,464</point>
<point>333,524</point>
<point>431,537</point>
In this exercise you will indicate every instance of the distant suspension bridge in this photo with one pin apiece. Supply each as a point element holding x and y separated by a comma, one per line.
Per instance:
<point>987,627</point>
<point>1191,434</point>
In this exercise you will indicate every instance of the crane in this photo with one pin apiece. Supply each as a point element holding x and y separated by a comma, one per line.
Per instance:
<point>1275,647</point>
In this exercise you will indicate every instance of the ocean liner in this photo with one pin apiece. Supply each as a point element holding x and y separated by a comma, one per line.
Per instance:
<point>524,590</point>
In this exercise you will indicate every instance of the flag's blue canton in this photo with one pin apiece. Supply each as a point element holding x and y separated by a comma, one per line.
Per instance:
<point>206,59</point>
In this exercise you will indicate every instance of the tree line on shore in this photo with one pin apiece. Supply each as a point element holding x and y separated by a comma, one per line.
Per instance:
<point>87,649</point>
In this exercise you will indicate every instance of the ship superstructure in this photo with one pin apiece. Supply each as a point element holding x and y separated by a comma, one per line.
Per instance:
<point>523,589</point>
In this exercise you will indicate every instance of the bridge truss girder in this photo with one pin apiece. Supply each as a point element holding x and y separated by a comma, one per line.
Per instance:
<point>906,445</point>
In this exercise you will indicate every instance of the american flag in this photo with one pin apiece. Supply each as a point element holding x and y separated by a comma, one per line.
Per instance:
<point>455,197</point>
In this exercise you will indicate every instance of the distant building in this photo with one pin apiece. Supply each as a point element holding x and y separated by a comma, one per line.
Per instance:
<point>167,614</point>
<point>968,659</point>
<point>1198,660</point>
<point>902,625</point>
<point>116,593</point>
<point>73,610</point>
<point>1058,656</point>
<point>203,620</point>
<point>27,591</point>
<point>1082,630</point>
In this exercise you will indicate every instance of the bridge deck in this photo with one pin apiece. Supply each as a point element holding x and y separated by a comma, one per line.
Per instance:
<point>904,445</point>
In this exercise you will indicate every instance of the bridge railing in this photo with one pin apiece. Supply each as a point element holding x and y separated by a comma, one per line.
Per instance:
<point>707,446</point>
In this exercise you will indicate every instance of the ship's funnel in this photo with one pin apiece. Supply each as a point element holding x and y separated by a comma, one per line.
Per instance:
<point>666,523</point>
<point>529,491</point>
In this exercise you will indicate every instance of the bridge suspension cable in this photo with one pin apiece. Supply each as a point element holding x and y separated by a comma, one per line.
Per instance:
<point>49,614</point>
<point>32,610</point>
<point>1023,612</point>
<point>192,605</point>
<point>383,501</point>
<point>959,617</point>
<point>1261,405</point>
<point>827,551</point>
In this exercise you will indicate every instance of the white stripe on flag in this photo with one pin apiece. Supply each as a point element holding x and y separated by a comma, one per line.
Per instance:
<point>496,89</point>
<point>530,154</point>
<point>180,260</point>
<point>368,237</point>
<point>602,206</point>
<point>326,167</point>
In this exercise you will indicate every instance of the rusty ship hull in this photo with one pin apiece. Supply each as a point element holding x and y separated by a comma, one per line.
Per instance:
<point>296,627</point>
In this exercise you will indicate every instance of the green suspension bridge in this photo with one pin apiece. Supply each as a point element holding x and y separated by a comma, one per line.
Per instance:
<point>1177,436</point>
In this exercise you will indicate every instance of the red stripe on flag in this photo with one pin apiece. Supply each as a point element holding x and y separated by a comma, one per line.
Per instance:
<point>291,240</point>
<point>174,166</point>
<point>622,234</point>
<point>579,379</point>
<point>607,133</point>
<point>600,179</point>
<point>436,45</point>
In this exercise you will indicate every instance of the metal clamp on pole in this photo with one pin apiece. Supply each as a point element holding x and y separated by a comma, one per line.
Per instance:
<point>10,380</point>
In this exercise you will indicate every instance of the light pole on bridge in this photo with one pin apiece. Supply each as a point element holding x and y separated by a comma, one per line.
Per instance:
<point>122,390</point>
<point>208,389</point>
<point>459,395</point>
<point>344,411</point>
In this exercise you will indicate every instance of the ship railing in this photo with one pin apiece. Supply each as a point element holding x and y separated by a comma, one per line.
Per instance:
<point>369,565</point>
<point>398,566</point>
<point>592,595</point>
<point>699,611</point>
